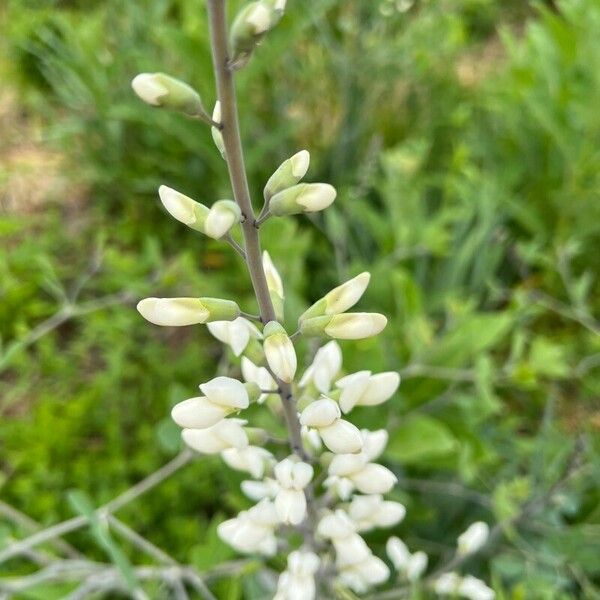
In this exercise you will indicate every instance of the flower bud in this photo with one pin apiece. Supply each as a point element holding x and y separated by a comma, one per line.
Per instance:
<point>398,553</point>
<point>325,366</point>
<point>447,584</point>
<point>302,198</point>
<point>198,413</point>
<point>341,437</point>
<point>474,589</point>
<point>374,442</point>
<point>473,538</point>
<point>248,28</point>
<point>279,351</point>
<point>274,284</point>
<point>252,459</point>
<point>221,217</point>
<point>291,506</point>
<point>184,209</point>
<point>228,433</point>
<point>417,563</point>
<point>339,299</point>
<point>350,550</point>
<point>257,490</point>
<point>364,389</point>
<point>214,222</point>
<point>277,8</point>
<point>373,511</point>
<point>226,391</point>
<point>289,173</point>
<point>258,375</point>
<point>374,479</point>
<point>236,333</point>
<point>336,525</point>
<point>361,576</point>
<point>177,312</point>
<point>321,413</point>
<point>158,89</point>
<point>347,326</point>
<point>217,136</point>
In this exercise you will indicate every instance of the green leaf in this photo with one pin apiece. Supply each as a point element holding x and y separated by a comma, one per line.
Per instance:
<point>420,438</point>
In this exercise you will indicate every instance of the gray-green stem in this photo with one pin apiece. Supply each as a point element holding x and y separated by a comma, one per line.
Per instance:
<point>230,130</point>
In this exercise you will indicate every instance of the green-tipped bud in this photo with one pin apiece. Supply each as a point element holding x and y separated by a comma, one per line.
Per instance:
<point>177,312</point>
<point>158,89</point>
<point>217,136</point>
<point>289,173</point>
<point>339,299</point>
<point>214,222</point>
<point>249,27</point>
<point>347,326</point>
<point>183,208</point>
<point>254,392</point>
<point>302,198</point>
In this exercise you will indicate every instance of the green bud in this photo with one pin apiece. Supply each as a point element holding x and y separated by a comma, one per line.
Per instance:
<point>249,27</point>
<point>159,89</point>
<point>289,173</point>
<point>253,390</point>
<point>302,198</point>
<point>220,310</point>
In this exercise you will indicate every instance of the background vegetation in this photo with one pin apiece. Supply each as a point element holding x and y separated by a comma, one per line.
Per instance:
<point>464,139</point>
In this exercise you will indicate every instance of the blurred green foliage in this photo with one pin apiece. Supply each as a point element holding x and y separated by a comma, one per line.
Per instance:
<point>464,139</point>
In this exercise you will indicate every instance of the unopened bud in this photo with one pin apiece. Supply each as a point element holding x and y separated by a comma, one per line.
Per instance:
<point>249,27</point>
<point>158,89</point>
<point>221,217</point>
<point>347,326</point>
<point>339,299</point>
<point>274,284</point>
<point>302,198</point>
<point>279,351</point>
<point>217,136</point>
<point>183,208</point>
<point>289,173</point>
<point>178,312</point>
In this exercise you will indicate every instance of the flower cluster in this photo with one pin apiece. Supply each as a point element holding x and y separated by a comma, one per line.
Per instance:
<point>330,488</point>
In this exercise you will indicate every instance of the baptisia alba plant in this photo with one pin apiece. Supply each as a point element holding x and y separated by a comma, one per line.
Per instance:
<point>316,493</point>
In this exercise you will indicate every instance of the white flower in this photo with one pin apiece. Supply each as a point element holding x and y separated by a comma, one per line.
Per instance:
<point>417,563</point>
<point>350,550</point>
<point>473,538</point>
<point>373,511</point>
<point>364,389</point>
<point>236,333</point>
<point>374,442</point>
<point>214,222</point>
<point>347,326</point>
<point>279,351</point>
<point>252,530</point>
<point>228,433</point>
<point>252,459</point>
<point>475,589</point>
<point>398,553</point>
<point>258,18</point>
<point>339,436</point>
<point>216,132</point>
<point>258,375</point>
<point>447,584</point>
<point>302,198</point>
<point>342,487</point>
<point>363,575</point>
<point>311,438</point>
<point>336,525</point>
<point>412,566</point>
<point>368,478</point>
<point>325,366</point>
<point>298,582</point>
<point>274,282</point>
<point>224,395</point>
<point>177,312</point>
<point>173,311</point>
<point>257,490</point>
<point>339,299</point>
<point>221,217</point>
<point>149,88</point>
<point>290,502</point>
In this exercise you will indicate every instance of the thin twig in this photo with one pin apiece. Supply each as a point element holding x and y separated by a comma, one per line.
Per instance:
<point>119,502</point>
<point>235,245</point>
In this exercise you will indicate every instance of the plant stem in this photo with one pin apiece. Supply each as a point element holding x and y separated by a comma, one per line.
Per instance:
<point>239,183</point>
<point>230,130</point>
